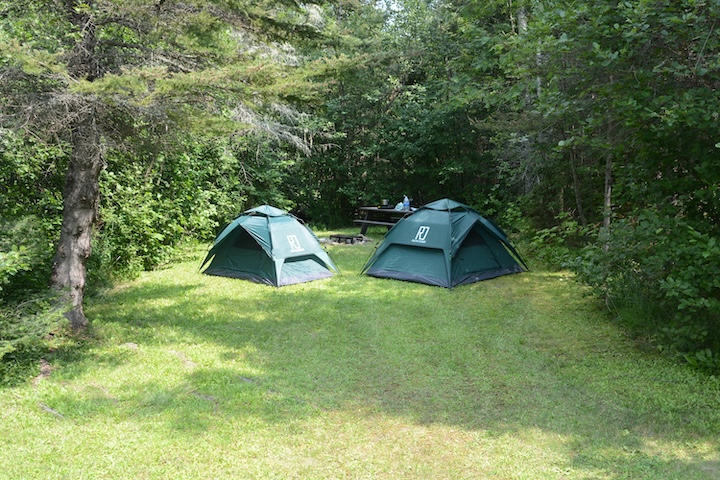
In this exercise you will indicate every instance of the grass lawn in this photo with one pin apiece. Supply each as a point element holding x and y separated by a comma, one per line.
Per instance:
<point>196,377</point>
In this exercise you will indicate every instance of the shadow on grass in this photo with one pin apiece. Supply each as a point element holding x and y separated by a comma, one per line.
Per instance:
<point>516,354</point>
<point>186,408</point>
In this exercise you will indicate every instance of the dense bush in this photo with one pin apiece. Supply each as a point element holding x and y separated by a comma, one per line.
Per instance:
<point>668,272</point>
<point>152,198</point>
<point>25,257</point>
<point>27,316</point>
<point>28,331</point>
<point>553,247</point>
<point>30,214</point>
<point>152,201</point>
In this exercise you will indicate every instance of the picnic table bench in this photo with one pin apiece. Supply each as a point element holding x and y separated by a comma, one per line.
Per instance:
<point>382,216</point>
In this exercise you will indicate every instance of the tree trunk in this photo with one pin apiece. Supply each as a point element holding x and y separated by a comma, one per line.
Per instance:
<point>522,17</point>
<point>81,195</point>
<point>576,189</point>
<point>607,203</point>
<point>607,210</point>
<point>81,199</point>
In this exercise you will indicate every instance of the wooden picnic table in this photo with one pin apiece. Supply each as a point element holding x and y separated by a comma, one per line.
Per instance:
<point>383,216</point>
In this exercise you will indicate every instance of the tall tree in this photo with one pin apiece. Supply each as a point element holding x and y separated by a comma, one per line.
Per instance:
<point>628,100</point>
<point>92,72</point>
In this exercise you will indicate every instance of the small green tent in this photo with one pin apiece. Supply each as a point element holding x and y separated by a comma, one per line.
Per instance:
<point>444,243</point>
<point>268,245</point>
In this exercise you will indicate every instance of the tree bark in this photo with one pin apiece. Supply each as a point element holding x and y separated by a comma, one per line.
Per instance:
<point>607,203</point>
<point>576,189</point>
<point>80,208</point>
<point>607,210</point>
<point>81,194</point>
<point>607,197</point>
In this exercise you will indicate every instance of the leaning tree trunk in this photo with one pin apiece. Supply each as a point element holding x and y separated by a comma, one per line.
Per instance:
<point>81,199</point>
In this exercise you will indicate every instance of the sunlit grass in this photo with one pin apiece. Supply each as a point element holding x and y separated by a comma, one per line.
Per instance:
<point>191,376</point>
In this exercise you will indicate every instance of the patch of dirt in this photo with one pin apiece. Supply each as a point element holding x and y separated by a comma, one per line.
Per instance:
<point>346,240</point>
<point>185,359</point>
<point>45,371</point>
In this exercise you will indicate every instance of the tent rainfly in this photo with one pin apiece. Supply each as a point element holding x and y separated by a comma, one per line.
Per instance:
<point>444,243</point>
<point>268,245</point>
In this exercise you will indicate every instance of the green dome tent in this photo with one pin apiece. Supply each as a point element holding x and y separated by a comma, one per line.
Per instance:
<point>444,243</point>
<point>268,245</point>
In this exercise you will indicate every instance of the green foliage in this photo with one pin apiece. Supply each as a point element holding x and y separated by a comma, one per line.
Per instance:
<point>151,204</point>
<point>153,198</point>
<point>411,108</point>
<point>630,85</point>
<point>31,206</point>
<point>262,169</point>
<point>705,360</point>
<point>27,333</point>
<point>632,81</point>
<point>31,178</point>
<point>11,262</point>
<point>25,257</point>
<point>555,246</point>
<point>667,262</point>
<point>138,224</point>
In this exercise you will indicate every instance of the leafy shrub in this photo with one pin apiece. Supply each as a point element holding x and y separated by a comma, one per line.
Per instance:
<point>664,261</point>
<point>26,335</point>
<point>555,246</point>
<point>11,262</point>
<point>27,316</point>
<point>31,182</point>
<point>25,257</point>
<point>152,202</point>
<point>137,227</point>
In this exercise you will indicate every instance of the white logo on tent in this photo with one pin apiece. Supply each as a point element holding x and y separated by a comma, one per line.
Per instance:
<point>294,244</point>
<point>421,234</point>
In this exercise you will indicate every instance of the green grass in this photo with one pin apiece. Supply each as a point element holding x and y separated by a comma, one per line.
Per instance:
<point>197,377</point>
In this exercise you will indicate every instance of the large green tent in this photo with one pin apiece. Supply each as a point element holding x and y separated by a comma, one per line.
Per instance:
<point>444,243</point>
<point>268,245</point>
